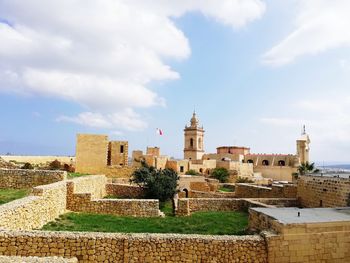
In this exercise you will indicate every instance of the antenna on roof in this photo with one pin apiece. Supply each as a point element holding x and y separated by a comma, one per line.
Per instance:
<point>304,130</point>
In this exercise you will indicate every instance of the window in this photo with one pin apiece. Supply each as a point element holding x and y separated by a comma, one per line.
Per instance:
<point>250,161</point>
<point>121,148</point>
<point>191,142</point>
<point>201,170</point>
<point>265,162</point>
<point>281,163</point>
<point>181,169</point>
<point>199,143</point>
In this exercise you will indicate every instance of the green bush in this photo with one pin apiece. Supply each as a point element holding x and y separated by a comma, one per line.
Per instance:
<point>27,166</point>
<point>220,174</point>
<point>191,172</point>
<point>55,165</point>
<point>158,184</point>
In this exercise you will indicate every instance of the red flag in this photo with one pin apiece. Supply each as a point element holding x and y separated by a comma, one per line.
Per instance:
<point>159,131</point>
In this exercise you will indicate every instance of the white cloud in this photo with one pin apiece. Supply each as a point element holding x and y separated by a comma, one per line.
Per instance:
<point>101,54</point>
<point>320,25</point>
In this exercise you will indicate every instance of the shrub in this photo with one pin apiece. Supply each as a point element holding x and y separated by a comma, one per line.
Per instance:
<point>27,166</point>
<point>68,168</point>
<point>244,180</point>
<point>220,174</point>
<point>191,172</point>
<point>158,184</point>
<point>55,165</point>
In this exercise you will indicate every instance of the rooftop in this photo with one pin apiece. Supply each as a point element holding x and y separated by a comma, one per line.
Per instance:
<point>289,215</point>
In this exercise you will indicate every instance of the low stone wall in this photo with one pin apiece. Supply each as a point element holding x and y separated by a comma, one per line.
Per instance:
<point>121,207</point>
<point>21,178</point>
<point>93,184</point>
<point>103,247</point>
<point>125,190</point>
<point>14,259</point>
<point>45,204</point>
<point>275,191</point>
<point>198,194</point>
<point>323,191</point>
<point>188,205</point>
<point>199,186</point>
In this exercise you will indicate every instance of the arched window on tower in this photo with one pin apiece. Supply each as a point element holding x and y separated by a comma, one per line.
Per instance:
<point>191,142</point>
<point>199,143</point>
<point>250,161</point>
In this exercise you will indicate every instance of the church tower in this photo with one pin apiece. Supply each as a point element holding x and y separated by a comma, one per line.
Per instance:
<point>194,134</point>
<point>303,147</point>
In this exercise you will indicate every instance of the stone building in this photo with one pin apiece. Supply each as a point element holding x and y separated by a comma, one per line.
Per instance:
<point>194,144</point>
<point>94,153</point>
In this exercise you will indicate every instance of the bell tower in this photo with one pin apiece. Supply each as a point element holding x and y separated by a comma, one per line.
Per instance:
<point>303,147</point>
<point>194,144</point>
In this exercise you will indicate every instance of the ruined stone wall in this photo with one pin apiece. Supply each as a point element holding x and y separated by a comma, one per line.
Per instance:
<point>318,191</point>
<point>38,160</point>
<point>199,186</point>
<point>21,178</point>
<point>45,204</point>
<point>243,190</point>
<point>104,247</point>
<point>16,259</point>
<point>125,190</point>
<point>93,184</point>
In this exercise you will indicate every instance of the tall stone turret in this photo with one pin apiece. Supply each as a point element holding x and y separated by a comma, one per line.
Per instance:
<point>303,147</point>
<point>194,144</point>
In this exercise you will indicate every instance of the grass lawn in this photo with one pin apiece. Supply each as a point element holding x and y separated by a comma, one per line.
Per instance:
<point>74,175</point>
<point>207,223</point>
<point>8,195</point>
<point>225,190</point>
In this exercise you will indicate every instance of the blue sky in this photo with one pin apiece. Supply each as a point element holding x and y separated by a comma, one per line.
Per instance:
<point>254,73</point>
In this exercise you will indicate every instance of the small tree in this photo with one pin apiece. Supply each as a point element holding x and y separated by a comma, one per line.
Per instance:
<point>191,172</point>
<point>220,174</point>
<point>307,167</point>
<point>55,165</point>
<point>158,184</point>
<point>27,166</point>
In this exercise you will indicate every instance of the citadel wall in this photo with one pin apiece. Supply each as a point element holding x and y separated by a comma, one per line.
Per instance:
<point>323,191</point>
<point>104,247</point>
<point>22,178</point>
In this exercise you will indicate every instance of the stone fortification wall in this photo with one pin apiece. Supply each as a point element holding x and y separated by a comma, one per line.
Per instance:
<point>256,191</point>
<point>306,243</point>
<point>21,178</point>
<point>103,247</point>
<point>199,186</point>
<point>46,204</point>
<point>318,191</point>
<point>38,160</point>
<point>125,190</point>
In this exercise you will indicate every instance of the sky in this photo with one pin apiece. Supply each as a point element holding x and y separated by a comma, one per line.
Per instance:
<point>255,71</point>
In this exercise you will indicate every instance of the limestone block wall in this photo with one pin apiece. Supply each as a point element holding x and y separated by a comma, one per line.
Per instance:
<point>200,186</point>
<point>21,178</point>
<point>315,242</point>
<point>38,160</point>
<point>277,173</point>
<point>125,190</point>
<point>199,194</point>
<point>46,204</point>
<point>188,205</point>
<point>93,184</point>
<point>317,191</point>
<point>120,207</point>
<point>16,259</point>
<point>256,191</point>
<point>104,247</point>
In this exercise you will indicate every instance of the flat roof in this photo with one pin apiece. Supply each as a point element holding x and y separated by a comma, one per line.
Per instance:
<point>289,215</point>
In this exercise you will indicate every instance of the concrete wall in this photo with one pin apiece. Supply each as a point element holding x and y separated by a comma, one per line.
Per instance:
<point>331,192</point>
<point>20,178</point>
<point>103,247</point>
<point>45,204</point>
<point>256,191</point>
